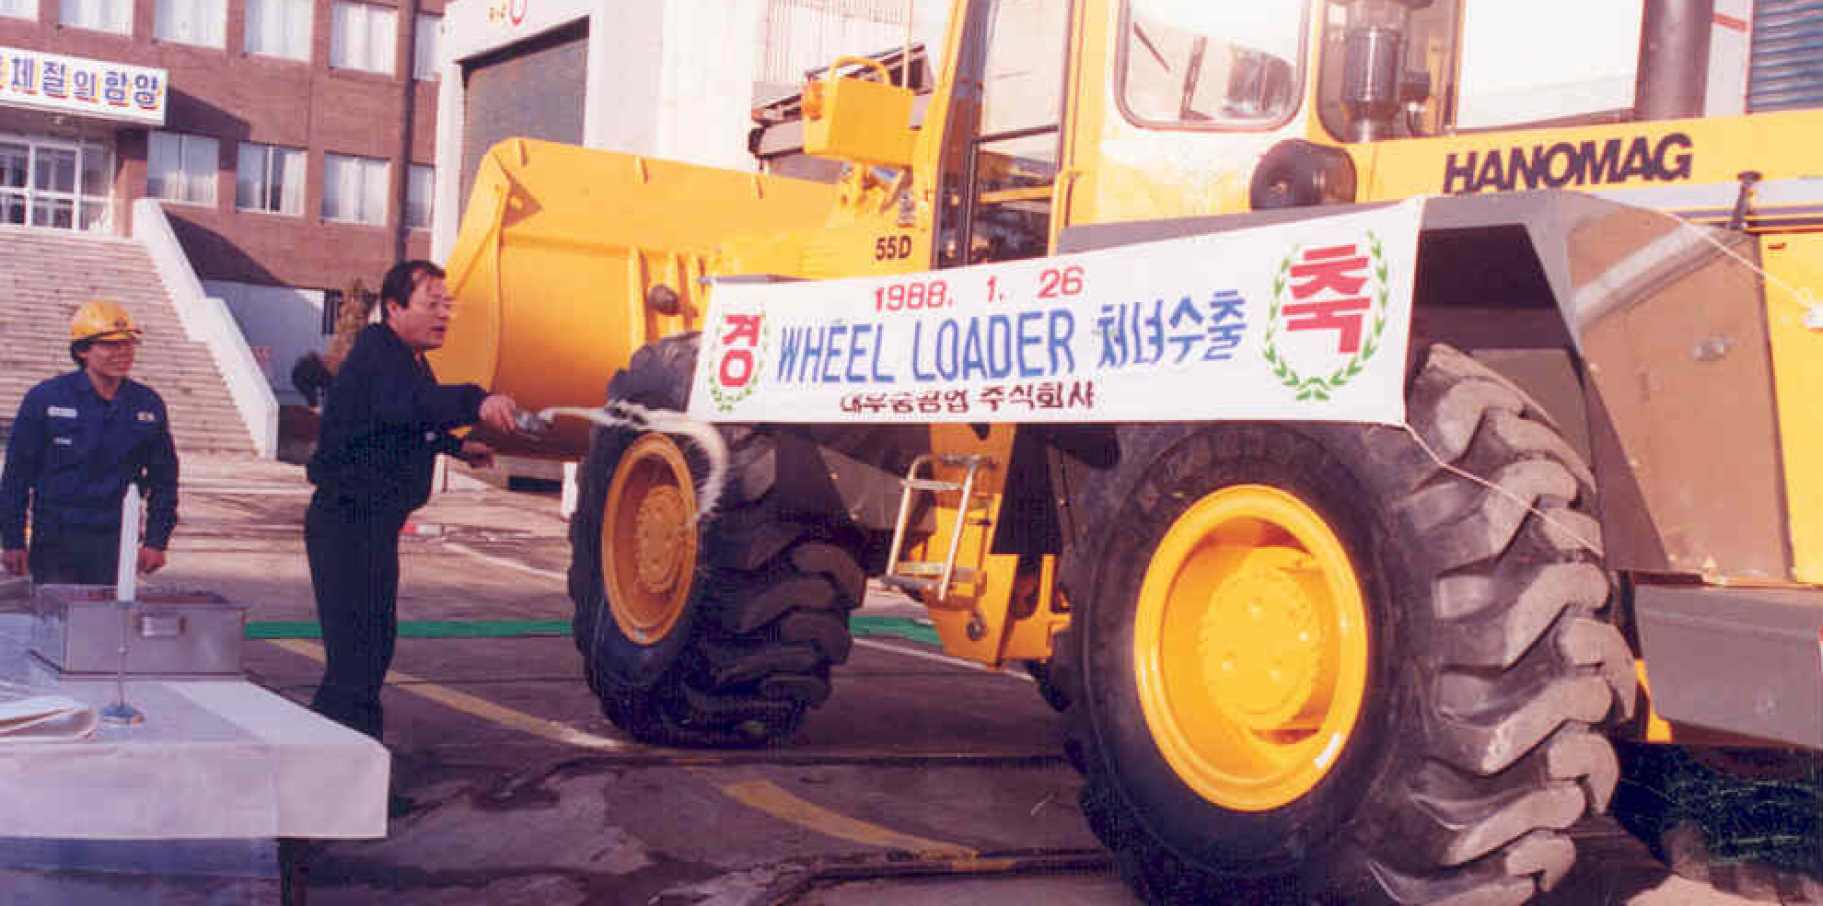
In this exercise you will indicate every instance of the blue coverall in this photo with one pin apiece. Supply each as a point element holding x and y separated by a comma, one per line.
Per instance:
<point>384,422</point>
<point>69,460</point>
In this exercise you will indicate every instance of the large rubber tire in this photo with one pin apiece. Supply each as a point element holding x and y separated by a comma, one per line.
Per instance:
<point>1486,673</point>
<point>767,609</point>
<point>1049,688</point>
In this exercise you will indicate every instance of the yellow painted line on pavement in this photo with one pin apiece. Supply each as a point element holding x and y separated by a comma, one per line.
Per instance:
<point>763,795</point>
<point>773,799</point>
<point>469,704</point>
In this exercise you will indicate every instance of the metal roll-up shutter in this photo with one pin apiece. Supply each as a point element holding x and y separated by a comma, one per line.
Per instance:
<point>1786,72</point>
<point>533,89</point>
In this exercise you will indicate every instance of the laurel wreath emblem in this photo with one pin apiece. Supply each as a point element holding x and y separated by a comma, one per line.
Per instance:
<point>726,400</point>
<point>1319,387</point>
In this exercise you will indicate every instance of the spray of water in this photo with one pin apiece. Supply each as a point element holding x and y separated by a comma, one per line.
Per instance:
<point>617,414</point>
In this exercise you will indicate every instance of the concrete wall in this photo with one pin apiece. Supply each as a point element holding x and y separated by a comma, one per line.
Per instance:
<point>287,322</point>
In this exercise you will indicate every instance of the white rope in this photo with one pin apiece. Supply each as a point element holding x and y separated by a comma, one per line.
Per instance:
<point>1523,503</point>
<point>1802,295</point>
<point>618,414</point>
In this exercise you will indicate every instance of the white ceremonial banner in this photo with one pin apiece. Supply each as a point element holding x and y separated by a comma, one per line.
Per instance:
<point>1301,321</point>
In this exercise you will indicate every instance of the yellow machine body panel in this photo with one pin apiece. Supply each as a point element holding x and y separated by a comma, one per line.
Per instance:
<point>864,122</point>
<point>1795,260</point>
<point>999,615</point>
<point>569,259</point>
<point>1122,165</point>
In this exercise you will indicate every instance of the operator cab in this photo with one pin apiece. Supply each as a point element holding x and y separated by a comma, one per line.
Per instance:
<point>1099,111</point>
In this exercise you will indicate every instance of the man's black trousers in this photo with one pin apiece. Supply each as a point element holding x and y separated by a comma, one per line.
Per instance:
<point>354,570</point>
<point>74,555</point>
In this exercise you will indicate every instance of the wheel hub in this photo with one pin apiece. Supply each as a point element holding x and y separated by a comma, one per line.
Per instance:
<point>659,538</point>
<point>1250,647</point>
<point>648,539</point>
<point>1261,641</point>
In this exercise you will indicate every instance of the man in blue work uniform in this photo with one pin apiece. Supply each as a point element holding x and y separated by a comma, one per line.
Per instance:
<point>77,443</point>
<point>385,420</point>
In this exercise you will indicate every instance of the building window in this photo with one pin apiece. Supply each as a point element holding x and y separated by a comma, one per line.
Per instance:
<point>332,309</point>
<point>102,15</point>
<point>425,42</point>
<point>354,189</point>
<point>420,187</point>
<point>191,21</point>
<point>279,28</point>
<point>270,178</point>
<point>182,168</point>
<point>362,37</point>
<point>19,9</point>
<point>63,185</point>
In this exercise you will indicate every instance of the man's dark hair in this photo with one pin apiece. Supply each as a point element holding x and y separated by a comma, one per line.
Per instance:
<point>402,280</point>
<point>77,348</point>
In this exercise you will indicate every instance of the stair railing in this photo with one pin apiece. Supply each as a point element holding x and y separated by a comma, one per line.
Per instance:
<point>206,319</point>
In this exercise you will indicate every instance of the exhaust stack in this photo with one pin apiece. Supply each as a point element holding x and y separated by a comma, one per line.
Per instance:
<point>1673,76</point>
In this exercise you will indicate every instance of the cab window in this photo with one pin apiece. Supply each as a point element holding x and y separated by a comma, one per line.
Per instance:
<point>1196,63</point>
<point>1594,66</point>
<point>1001,155</point>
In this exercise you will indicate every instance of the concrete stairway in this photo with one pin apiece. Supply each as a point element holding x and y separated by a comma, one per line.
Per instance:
<point>46,274</point>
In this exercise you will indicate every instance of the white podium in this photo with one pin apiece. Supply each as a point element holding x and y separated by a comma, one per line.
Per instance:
<point>219,770</point>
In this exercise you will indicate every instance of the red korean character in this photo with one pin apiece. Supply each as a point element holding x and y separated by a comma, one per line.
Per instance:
<point>991,397</point>
<point>1329,278</point>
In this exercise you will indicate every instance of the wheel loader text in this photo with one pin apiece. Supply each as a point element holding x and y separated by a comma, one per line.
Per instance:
<point>1027,344</point>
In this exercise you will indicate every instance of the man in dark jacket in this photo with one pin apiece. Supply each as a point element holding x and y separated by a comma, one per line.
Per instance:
<point>78,442</point>
<point>384,422</point>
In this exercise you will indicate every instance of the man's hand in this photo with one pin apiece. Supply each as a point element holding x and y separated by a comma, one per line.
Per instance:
<point>497,412</point>
<point>151,560</point>
<point>14,561</point>
<point>476,454</point>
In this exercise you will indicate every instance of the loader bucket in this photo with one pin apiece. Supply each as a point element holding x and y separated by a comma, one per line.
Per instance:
<point>569,259</point>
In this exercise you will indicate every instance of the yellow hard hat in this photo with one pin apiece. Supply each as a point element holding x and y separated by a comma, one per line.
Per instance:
<point>102,319</point>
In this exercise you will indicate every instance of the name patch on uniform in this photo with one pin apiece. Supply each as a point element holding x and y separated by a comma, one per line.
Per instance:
<point>147,417</point>
<point>62,441</point>
<point>60,412</point>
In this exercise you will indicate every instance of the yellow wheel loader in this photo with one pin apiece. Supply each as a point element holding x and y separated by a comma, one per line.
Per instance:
<point>1301,659</point>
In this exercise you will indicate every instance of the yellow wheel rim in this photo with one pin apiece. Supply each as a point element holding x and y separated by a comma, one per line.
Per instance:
<point>648,539</point>
<point>1250,648</point>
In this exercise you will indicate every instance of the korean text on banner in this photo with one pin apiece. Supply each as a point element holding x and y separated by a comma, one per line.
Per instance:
<point>99,88</point>
<point>1301,321</point>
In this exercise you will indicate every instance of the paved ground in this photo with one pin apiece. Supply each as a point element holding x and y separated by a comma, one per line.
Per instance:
<point>923,780</point>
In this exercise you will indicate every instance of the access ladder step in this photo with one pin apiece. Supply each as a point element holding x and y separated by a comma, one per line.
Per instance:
<point>928,484</point>
<point>920,584</point>
<point>915,568</point>
<point>909,584</point>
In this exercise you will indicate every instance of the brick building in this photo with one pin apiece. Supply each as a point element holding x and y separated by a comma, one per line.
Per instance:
<point>292,145</point>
